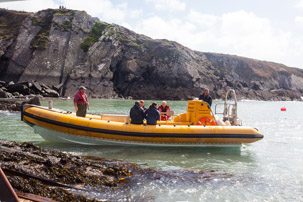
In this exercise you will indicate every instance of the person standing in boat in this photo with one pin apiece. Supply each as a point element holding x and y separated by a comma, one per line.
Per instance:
<point>81,102</point>
<point>152,114</point>
<point>137,114</point>
<point>142,105</point>
<point>164,108</point>
<point>206,97</point>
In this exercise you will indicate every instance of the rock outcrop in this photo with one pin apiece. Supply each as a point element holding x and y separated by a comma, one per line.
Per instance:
<point>26,90</point>
<point>13,105</point>
<point>67,48</point>
<point>64,177</point>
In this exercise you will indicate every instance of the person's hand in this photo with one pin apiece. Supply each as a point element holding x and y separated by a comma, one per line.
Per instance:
<point>87,107</point>
<point>76,108</point>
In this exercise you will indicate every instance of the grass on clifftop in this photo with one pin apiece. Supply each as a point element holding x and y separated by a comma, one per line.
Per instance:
<point>94,35</point>
<point>67,24</point>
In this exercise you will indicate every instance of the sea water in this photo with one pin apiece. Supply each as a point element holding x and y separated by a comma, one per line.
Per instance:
<point>268,170</point>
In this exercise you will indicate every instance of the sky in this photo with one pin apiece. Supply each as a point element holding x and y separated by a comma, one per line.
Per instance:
<point>270,30</point>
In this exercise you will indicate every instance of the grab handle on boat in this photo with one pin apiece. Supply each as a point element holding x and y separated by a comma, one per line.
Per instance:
<point>50,104</point>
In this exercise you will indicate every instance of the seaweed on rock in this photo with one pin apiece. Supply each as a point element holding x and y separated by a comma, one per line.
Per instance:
<point>65,177</point>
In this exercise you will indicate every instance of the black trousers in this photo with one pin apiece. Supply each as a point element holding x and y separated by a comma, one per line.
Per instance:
<point>81,110</point>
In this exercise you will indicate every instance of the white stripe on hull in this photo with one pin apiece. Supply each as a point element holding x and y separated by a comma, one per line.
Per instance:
<point>55,136</point>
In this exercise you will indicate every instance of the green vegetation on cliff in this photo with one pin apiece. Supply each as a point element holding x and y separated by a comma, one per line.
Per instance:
<point>94,35</point>
<point>67,24</point>
<point>10,22</point>
<point>44,21</point>
<point>65,12</point>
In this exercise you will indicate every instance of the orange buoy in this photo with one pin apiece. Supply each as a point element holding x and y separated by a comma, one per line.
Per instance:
<point>283,109</point>
<point>206,121</point>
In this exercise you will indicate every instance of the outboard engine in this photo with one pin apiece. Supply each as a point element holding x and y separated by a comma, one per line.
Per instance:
<point>230,113</point>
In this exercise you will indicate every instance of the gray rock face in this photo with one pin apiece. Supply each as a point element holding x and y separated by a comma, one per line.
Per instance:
<point>67,48</point>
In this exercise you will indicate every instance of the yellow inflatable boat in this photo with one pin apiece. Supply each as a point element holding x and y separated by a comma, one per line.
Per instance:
<point>198,127</point>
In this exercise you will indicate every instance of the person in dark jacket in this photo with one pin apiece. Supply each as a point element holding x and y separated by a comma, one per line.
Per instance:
<point>137,114</point>
<point>206,97</point>
<point>152,114</point>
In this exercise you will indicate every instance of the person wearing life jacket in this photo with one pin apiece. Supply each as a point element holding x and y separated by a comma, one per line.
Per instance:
<point>81,102</point>
<point>206,97</point>
<point>164,108</point>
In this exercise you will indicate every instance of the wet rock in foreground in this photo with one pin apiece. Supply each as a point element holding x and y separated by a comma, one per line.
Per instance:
<point>64,177</point>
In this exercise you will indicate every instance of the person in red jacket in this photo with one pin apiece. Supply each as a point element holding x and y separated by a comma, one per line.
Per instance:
<point>164,108</point>
<point>81,102</point>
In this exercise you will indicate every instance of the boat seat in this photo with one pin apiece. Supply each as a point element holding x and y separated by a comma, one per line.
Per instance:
<point>116,117</point>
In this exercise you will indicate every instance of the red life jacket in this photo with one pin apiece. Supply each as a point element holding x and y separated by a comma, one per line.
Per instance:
<point>161,109</point>
<point>80,98</point>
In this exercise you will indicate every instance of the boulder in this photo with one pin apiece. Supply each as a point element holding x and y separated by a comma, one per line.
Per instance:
<point>51,93</point>
<point>58,87</point>
<point>30,96</point>
<point>2,83</point>
<point>9,95</point>
<point>37,86</point>
<point>11,83</point>
<point>16,94</point>
<point>29,84</point>
<point>20,88</point>
<point>3,106</point>
<point>35,101</point>
<point>3,94</point>
<point>44,86</point>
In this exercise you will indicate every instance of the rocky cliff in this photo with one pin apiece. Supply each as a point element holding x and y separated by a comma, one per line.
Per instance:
<point>67,48</point>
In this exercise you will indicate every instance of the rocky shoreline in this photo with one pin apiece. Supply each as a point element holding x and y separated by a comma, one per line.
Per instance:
<point>10,105</point>
<point>25,90</point>
<point>13,95</point>
<point>57,175</point>
<point>64,177</point>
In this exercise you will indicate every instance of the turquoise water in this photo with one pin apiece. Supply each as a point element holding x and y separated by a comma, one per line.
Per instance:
<point>268,170</point>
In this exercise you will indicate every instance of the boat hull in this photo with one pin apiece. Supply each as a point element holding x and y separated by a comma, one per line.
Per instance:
<point>55,136</point>
<point>61,127</point>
